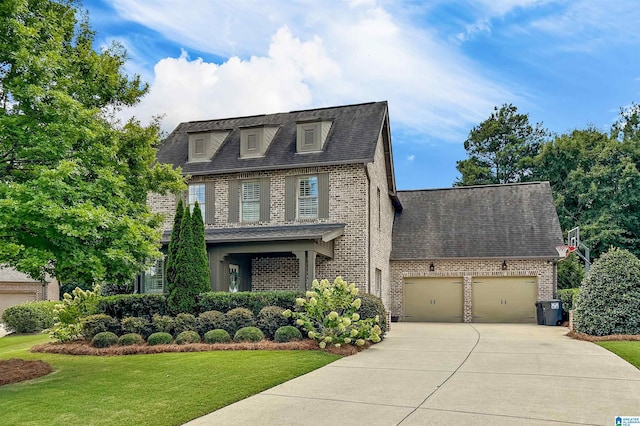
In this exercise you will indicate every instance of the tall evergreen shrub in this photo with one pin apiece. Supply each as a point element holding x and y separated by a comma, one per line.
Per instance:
<point>185,288</point>
<point>200,251</point>
<point>173,243</point>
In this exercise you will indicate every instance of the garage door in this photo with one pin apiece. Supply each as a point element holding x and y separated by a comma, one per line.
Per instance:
<point>10,299</point>
<point>504,299</point>
<point>433,299</point>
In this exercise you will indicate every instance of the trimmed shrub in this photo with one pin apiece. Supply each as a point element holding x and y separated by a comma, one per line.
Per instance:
<point>252,300</point>
<point>217,336</point>
<point>31,317</point>
<point>238,318</point>
<point>160,338</point>
<point>111,289</point>
<point>94,324</point>
<point>271,319</point>
<point>210,320</point>
<point>566,296</point>
<point>248,334</point>
<point>287,333</point>
<point>137,325</point>
<point>372,306</point>
<point>104,339</point>
<point>610,295</point>
<point>133,305</point>
<point>188,336</point>
<point>164,323</point>
<point>130,339</point>
<point>184,322</point>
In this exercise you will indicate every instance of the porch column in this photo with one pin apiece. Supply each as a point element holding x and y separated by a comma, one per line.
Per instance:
<point>311,268</point>
<point>302,269</point>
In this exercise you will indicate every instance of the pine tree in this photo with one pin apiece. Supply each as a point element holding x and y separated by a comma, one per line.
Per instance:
<point>183,292</point>
<point>200,258</point>
<point>173,243</point>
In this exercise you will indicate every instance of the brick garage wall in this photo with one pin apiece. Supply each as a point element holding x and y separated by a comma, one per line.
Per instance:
<point>469,269</point>
<point>26,287</point>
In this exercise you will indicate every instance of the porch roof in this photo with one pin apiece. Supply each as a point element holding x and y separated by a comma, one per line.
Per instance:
<point>324,232</point>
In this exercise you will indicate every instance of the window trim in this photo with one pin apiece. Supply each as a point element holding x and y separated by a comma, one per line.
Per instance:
<point>203,203</point>
<point>158,265</point>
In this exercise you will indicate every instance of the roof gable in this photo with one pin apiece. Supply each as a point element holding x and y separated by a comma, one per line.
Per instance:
<point>505,221</point>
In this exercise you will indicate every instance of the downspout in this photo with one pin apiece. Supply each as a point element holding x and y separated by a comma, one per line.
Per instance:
<point>366,172</point>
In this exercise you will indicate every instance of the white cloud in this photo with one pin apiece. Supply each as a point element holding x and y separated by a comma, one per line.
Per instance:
<point>306,54</point>
<point>411,157</point>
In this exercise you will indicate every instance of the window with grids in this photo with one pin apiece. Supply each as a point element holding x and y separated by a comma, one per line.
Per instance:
<point>154,277</point>
<point>378,282</point>
<point>308,197</point>
<point>196,193</point>
<point>250,201</point>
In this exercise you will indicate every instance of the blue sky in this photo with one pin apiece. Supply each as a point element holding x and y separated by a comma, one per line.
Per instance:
<point>441,64</point>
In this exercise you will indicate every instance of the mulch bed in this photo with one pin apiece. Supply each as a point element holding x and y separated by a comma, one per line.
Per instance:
<point>612,338</point>
<point>84,348</point>
<point>16,370</point>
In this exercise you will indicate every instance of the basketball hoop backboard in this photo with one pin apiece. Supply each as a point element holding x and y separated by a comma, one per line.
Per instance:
<point>573,237</point>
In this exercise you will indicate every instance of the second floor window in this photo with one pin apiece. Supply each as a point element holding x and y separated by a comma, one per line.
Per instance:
<point>196,193</point>
<point>307,197</point>
<point>250,201</point>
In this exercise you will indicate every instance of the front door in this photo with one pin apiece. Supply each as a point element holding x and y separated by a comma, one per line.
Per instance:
<point>234,278</point>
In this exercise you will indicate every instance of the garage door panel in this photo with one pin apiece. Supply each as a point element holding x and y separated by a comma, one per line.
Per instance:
<point>433,299</point>
<point>504,299</point>
<point>10,299</point>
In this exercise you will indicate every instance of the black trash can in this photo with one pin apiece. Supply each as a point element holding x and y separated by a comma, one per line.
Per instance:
<point>552,312</point>
<point>539,312</point>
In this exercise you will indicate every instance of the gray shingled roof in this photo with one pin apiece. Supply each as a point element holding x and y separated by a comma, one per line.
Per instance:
<point>352,139</point>
<point>325,231</point>
<point>505,221</point>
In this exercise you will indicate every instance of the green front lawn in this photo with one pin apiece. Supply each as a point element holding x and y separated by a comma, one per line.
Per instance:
<point>159,389</point>
<point>627,350</point>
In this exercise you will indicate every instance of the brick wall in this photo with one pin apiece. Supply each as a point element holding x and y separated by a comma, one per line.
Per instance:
<point>274,273</point>
<point>468,269</point>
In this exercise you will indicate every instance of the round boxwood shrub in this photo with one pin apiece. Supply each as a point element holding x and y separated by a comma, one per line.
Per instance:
<point>238,318</point>
<point>160,338</point>
<point>130,339</point>
<point>163,323</point>
<point>210,320</point>
<point>217,336</point>
<point>184,322</point>
<point>30,317</point>
<point>137,325</point>
<point>248,334</point>
<point>610,295</point>
<point>287,333</point>
<point>188,336</point>
<point>271,319</point>
<point>94,324</point>
<point>104,339</point>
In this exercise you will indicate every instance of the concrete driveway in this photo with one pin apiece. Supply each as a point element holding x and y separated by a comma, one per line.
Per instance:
<point>451,374</point>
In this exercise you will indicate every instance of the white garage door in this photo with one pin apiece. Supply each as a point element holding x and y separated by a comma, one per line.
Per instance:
<point>504,299</point>
<point>10,299</point>
<point>433,299</point>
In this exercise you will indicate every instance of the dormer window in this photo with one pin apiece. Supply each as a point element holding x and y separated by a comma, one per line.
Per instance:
<point>311,135</point>
<point>204,145</point>
<point>254,141</point>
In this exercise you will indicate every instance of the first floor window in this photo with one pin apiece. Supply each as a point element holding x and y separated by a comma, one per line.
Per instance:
<point>378,283</point>
<point>250,201</point>
<point>196,193</point>
<point>308,197</point>
<point>154,277</point>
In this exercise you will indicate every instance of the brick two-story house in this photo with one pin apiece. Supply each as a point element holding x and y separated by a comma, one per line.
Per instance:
<point>293,196</point>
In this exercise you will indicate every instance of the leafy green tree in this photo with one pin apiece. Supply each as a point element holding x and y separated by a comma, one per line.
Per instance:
<point>501,149</point>
<point>570,273</point>
<point>200,257</point>
<point>173,242</point>
<point>596,185</point>
<point>73,180</point>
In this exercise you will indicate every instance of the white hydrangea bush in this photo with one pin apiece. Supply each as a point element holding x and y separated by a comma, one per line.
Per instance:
<point>328,315</point>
